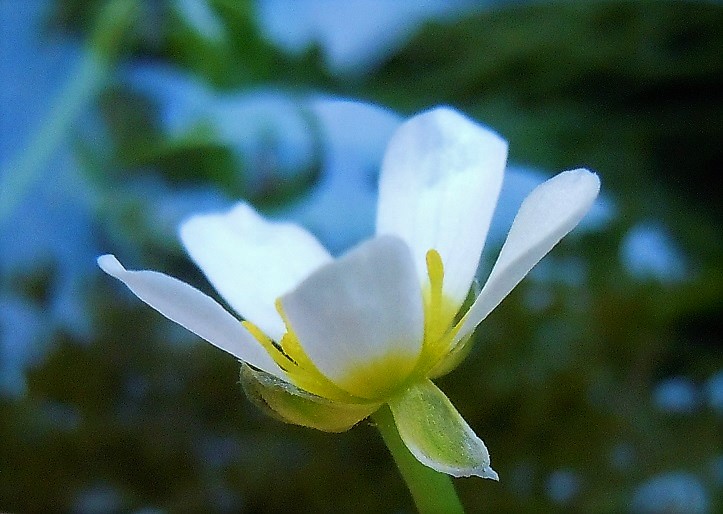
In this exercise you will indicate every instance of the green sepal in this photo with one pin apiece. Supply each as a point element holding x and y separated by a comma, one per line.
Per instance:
<point>437,435</point>
<point>288,403</point>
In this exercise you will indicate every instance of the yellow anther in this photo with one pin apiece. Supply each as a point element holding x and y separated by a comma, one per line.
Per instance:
<point>291,357</point>
<point>281,358</point>
<point>434,326</point>
<point>439,312</point>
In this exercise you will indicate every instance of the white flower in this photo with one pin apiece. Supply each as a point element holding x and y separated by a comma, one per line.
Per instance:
<point>327,342</point>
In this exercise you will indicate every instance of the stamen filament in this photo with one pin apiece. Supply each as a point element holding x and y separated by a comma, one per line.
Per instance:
<point>292,359</point>
<point>439,314</point>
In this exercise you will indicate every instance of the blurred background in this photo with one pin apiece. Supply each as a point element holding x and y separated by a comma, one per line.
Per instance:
<point>598,383</point>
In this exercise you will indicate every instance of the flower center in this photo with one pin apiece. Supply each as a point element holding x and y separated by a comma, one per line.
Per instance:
<point>379,378</point>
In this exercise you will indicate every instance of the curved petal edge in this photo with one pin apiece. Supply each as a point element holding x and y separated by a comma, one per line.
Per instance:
<point>440,180</point>
<point>251,261</point>
<point>194,311</point>
<point>551,211</point>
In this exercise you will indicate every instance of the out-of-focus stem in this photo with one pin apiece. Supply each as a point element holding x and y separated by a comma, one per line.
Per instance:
<point>19,174</point>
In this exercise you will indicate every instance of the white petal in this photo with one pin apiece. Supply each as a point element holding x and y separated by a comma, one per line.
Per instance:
<point>252,261</point>
<point>547,214</point>
<point>360,319</point>
<point>439,184</point>
<point>194,311</point>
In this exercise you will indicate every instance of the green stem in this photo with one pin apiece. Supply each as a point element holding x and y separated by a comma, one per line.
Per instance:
<point>20,173</point>
<point>433,492</point>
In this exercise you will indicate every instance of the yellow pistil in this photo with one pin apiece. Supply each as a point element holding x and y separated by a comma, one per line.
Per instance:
<point>439,313</point>
<point>291,357</point>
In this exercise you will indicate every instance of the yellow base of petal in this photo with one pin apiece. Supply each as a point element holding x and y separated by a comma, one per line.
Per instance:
<point>379,379</point>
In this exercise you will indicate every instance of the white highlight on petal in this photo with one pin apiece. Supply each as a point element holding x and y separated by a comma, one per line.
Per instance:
<point>439,184</point>
<point>194,311</point>
<point>252,261</point>
<point>547,214</point>
<point>360,310</point>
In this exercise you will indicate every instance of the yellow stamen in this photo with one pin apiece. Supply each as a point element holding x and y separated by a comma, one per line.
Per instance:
<point>291,357</point>
<point>274,349</point>
<point>439,313</point>
<point>434,323</point>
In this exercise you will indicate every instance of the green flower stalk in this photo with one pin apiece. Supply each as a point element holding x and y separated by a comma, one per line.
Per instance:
<point>328,342</point>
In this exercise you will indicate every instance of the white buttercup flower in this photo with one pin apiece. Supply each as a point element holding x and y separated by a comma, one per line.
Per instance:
<point>328,341</point>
